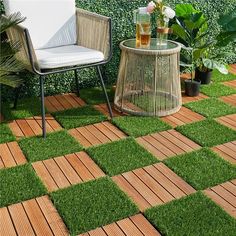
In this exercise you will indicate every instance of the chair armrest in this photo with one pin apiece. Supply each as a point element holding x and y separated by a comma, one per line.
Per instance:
<point>94,31</point>
<point>20,34</point>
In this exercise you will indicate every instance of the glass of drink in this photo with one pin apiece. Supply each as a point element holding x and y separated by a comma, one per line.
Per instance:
<point>145,35</point>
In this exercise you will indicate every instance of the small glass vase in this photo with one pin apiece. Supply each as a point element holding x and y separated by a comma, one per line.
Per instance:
<point>162,33</point>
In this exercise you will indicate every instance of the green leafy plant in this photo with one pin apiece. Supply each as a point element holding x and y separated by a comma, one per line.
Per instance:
<point>9,65</point>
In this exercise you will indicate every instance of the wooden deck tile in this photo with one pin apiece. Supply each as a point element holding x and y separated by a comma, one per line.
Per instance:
<point>11,155</point>
<point>103,109</point>
<point>231,99</point>
<point>167,144</point>
<point>61,172</point>
<point>136,225</point>
<point>152,185</point>
<point>184,116</point>
<point>232,69</point>
<point>231,83</point>
<point>32,126</point>
<point>33,217</point>
<point>63,102</point>
<point>229,120</point>
<point>225,196</point>
<point>227,151</point>
<point>186,99</point>
<point>96,134</point>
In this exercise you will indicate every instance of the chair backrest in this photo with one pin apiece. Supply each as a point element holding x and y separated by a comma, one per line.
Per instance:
<point>51,23</point>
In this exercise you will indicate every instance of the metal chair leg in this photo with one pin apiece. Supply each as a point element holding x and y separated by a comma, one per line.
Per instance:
<point>77,82</point>
<point>104,91</point>
<point>42,106</point>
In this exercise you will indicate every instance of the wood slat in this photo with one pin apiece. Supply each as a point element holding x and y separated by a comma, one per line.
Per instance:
<point>6,225</point>
<point>113,230</point>
<point>231,99</point>
<point>129,227</point>
<point>104,110</point>
<point>16,153</point>
<point>231,83</point>
<point>229,120</point>
<point>186,99</point>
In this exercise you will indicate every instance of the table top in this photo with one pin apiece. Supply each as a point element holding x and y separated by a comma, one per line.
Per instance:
<point>171,47</point>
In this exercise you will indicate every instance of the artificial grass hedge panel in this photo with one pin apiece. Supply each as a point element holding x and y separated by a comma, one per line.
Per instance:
<point>19,184</point>
<point>78,117</point>
<point>211,107</point>
<point>90,205</point>
<point>217,90</point>
<point>121,156</point>
<point>207,133</point>
<point>56,144</point>
<point>139,126</point>
<point>26,107</point>
<point>218,77</point>
<point>202,169</point>
<point>6,134</point>
<point>194,215</point>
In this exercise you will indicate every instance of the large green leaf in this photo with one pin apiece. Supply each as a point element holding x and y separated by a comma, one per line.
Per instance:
<point>182,10</point>
<point>180,32</point>
<point>212,64</point>
<point>228,22</point>
<point>224,38</point>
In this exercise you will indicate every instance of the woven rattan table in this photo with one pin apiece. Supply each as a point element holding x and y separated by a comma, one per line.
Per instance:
<point>149,80</point>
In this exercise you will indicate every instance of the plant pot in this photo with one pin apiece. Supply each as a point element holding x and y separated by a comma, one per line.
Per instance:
<point>192,87</point>
<point>203,76</point>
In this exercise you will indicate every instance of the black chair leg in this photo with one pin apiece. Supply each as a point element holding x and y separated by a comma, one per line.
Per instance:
<point>104,91</point>
<point>77,82</point>
<point>42,106</point>
<point>17,93</point>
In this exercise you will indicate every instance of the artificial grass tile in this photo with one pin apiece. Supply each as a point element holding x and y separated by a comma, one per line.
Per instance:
<point>95,95</point>
<point>211,107</point>
<point>121,156</point>
<point>217,90</point>
<point>19,184</point>
<point>194,215</point>
<point>202,169</point>
<point>6,134</point>
<point>218,77</point>
<point>56,144</point>
<point>140,126</point>
<point>78,117</point>
<point>26,107</point>
<point>207,133</point>
<point>90,205</point>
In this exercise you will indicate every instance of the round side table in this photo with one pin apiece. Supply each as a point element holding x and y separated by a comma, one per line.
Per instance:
<point>149,80</point>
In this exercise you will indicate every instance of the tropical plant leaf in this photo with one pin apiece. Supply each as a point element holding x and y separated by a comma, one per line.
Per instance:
<point>212,64</point>
<point>228,22</point>
<point>11,80</point>
<point>182,10</point>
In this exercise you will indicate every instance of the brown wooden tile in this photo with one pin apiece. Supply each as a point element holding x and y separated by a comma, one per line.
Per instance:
<point>186,99</point>
<point>227,151</point>
<point>11,155</point>
<point>33,217</point>
<point>96,134</point>
<point>225,196</point>
<point>61,172</point>
<point>232,69</point>
<point>231,83</point>
<point>103,109</point>
<point>136,225</point>
<point>184,116</point>
<point>229,120</point>
<point>152,185</point>
<point>32,126</point>
<point>63,102</point>
<point>167,144</point>
<point>229,99</point>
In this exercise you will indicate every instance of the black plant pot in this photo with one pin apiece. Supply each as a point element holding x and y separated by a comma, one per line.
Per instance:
<point>204,77</point>
<point>192,87</point>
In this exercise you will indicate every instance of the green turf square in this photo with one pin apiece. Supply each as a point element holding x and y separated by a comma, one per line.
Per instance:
<point>140,126</point>
<point>194,215</point>
<point>90,205</point>
<point>95,95</point>
<point>6,134</point>
<point>78,117</point>
<point>19,184</point>
<point>207,133</point>
<point>56,144</point>
<point>217,90</point>
<point>121,156</point>
<point>218,77</point>
<point>26,107</point>
<point>211,107</point>
<point>202,169</point>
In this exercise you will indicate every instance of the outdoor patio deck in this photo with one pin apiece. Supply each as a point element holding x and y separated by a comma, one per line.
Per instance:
<point>148,185</point>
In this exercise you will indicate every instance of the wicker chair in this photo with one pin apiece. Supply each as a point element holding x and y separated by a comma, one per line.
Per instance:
<point>57,37</point>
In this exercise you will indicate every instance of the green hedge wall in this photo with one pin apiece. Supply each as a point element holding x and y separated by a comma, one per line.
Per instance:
<point>121,13</point>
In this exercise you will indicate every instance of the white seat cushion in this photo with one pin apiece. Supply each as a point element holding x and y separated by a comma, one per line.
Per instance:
<point>51,23</point>
<point>67,56</point>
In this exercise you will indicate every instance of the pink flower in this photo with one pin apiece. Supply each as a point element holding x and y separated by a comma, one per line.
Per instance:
<point>151,7</point>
